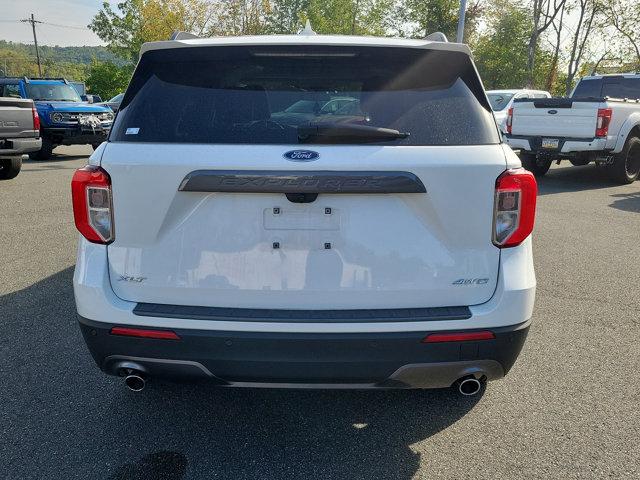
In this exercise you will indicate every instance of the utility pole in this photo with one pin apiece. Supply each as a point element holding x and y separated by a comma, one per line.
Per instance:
<point>463,8</point>
<point>33,22</point>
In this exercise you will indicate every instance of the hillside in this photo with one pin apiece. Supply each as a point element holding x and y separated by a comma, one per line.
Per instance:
<point>82,55</point>
<point>73,63</point>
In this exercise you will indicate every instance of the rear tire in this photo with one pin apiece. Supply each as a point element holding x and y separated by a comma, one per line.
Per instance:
<point>10,168</point>
<point>530,162</point>
<point>45,152</point>
<point>626,164</point>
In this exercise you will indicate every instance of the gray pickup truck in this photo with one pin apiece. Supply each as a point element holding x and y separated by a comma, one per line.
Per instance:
<point>19,134</point>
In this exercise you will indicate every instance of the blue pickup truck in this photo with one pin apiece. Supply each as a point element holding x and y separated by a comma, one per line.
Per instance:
<point>65,119</point>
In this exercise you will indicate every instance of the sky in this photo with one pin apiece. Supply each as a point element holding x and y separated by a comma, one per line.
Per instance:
<point>70,17</point>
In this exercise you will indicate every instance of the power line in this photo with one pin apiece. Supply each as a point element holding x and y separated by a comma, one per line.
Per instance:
<point>33,22</point>
<point>75,27</point>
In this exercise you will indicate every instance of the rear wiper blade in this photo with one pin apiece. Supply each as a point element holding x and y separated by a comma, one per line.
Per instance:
<point>346,130</point>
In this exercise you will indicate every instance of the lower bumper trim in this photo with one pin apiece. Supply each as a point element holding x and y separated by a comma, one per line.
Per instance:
<point>305,360</point>
<point>419,375</point>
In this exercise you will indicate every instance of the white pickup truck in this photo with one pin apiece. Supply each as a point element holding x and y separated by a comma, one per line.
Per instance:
<point>600,122</point>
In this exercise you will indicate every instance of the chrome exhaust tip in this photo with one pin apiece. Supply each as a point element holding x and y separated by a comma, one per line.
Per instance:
<point>469,386</point>
<point>135,382</point>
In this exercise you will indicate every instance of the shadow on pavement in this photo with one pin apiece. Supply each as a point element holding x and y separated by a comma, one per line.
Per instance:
<point>574,179</point>
<point>63,418</point>
<point>629,202</point>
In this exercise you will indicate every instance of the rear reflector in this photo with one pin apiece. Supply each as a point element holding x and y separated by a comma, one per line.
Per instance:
<point>142,333</point>
<point>458,337</point>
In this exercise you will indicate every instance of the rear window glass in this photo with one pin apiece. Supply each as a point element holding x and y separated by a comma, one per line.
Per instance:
<point>499,101</point>
<point>614,87</point>
<point>278,95</point>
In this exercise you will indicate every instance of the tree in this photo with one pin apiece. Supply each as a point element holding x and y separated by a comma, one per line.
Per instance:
<point>427,16</point>
<point>348,17</point>
<point>107,79</point>
<point>135,22</point>
<point>241,17</point>
<point>588,11</point>
<point>624,18</point>
<point>501,52</point>
<point>543,14</point>
<point>557,25</point>
<point>287,15</point>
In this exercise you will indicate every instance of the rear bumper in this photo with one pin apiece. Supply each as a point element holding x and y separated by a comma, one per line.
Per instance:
<point>306,360</point>
<point>533,144</point>
<point>17,146</point>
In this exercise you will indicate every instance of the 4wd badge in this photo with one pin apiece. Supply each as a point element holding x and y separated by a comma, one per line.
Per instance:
<point>471,281</point>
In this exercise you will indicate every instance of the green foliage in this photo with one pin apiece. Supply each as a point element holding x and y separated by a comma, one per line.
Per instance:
<point>84,55</point>
<point>135,22</point>
<point>501,53</point>
<point>348,17</point>
<point>108,79</point>
<point>428,16</point>
<point>287,16</point>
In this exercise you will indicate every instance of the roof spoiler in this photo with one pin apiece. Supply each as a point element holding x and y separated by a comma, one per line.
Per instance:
<point>436,37</point>
<point>177,35</point>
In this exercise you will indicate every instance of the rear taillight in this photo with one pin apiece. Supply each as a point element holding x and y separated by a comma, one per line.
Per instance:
<point>92,206</point>
<point>602,124</point>
<point>36,118</point>
<point>509,120</point>
<point>514,207</point>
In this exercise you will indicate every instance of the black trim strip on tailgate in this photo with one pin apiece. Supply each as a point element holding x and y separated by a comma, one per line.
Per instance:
<point>301,316</point>
<point>286,181</point>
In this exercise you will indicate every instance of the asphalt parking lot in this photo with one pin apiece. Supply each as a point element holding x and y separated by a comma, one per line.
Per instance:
<point>569,409</point>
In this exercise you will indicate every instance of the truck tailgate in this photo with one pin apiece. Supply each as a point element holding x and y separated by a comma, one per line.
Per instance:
<point>555,118</point>
<point>16,118</point>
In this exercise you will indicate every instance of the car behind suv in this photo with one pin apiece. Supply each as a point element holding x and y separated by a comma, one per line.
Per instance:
<point>387,246</point>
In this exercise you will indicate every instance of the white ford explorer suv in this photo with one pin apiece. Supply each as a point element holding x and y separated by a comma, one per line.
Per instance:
<point>382,245</point>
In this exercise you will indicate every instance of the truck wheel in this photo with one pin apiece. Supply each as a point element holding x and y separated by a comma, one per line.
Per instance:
<point>10,168</point>
<point>45,152</point>
<point>535,166</point>
<point>626,164</point>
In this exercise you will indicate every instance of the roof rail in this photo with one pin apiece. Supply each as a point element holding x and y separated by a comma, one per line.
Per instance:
<point>178,35</point>
<point>436,37</point>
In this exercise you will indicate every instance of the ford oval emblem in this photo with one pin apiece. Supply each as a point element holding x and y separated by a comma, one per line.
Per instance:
<point>301,155</point>
<point>552,112</point>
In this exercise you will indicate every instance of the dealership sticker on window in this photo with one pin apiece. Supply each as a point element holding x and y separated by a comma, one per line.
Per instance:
<point>132,131</point>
